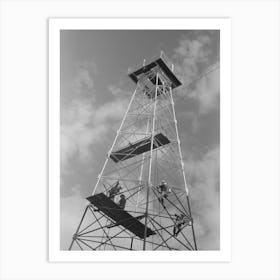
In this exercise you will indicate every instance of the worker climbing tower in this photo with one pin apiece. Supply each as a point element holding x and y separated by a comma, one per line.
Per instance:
<point>141,200</point>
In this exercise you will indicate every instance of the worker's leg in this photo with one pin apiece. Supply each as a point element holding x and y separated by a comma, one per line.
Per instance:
<point>179,228</point>
<point>176,231</point>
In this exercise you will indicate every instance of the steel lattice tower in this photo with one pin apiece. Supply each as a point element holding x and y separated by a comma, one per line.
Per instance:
<point>145,152</point>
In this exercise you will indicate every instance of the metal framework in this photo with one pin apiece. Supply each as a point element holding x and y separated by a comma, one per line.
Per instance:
<point>145,152</point>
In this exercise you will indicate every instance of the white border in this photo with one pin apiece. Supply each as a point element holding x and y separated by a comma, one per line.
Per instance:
<point>55,254</point>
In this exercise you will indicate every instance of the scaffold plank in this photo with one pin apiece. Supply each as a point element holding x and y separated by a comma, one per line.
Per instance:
<point>139,147</point>
<point>120,216</point>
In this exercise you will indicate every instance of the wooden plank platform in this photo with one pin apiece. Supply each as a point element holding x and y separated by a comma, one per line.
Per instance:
<point>139,148</point>
<point>120,216</point>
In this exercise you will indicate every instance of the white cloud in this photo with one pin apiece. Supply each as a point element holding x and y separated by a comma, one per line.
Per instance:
<point>189,55</point>
<point>207,92</point>
<point>83,121</point>
<point>110,111</point>
<point>192,59</point>
<point>83,81</point>
<point>72,208</point>
<point>204,176</point>
<point>85,124</point>
<point>115,90</point>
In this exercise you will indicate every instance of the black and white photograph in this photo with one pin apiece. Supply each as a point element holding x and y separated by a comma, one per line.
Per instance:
<point>140,139</point>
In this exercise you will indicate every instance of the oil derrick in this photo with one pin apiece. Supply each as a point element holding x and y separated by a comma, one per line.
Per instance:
<point>141,200</point>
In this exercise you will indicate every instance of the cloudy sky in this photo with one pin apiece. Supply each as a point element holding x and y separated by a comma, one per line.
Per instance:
<point>95,91</point>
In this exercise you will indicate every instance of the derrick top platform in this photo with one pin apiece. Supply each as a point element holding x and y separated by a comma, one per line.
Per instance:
<point>163,64</point>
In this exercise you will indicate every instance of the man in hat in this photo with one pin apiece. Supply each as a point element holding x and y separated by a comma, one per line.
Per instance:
<point>114,190</point>
<point>180,220</point>
<point>163,192</point>
<point>122,201</point>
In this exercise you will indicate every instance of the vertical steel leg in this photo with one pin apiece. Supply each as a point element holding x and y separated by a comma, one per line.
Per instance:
<point>150,167</point>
